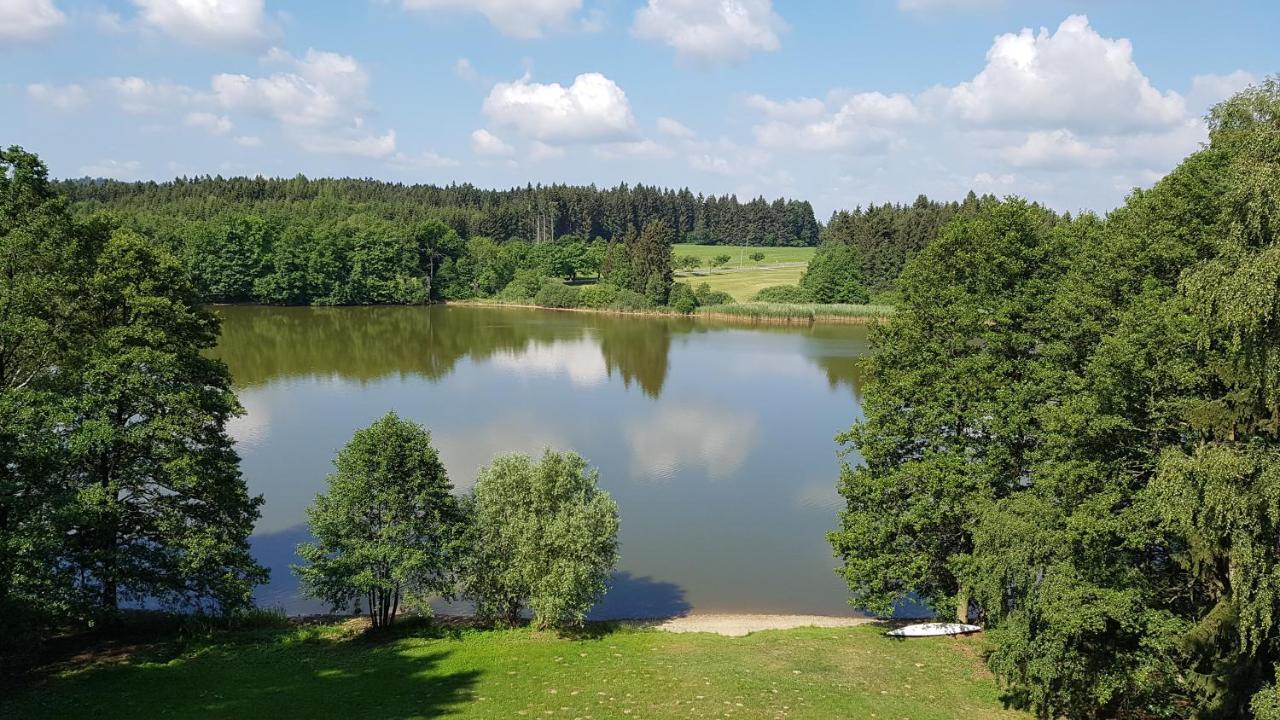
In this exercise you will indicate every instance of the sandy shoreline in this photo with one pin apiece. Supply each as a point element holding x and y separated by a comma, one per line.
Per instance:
<point>733,625</point>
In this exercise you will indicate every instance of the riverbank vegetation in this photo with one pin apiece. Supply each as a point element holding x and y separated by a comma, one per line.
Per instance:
<point>1071,436</point>
<point>798,312</point>
<point>328,670</point>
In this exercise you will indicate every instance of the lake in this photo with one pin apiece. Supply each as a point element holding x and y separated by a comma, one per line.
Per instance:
<point>715,440</point>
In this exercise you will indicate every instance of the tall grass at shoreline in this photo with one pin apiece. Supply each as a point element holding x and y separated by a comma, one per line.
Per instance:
<point>797,312</point>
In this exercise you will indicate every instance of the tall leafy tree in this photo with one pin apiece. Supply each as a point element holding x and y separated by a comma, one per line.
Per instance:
<point>387,530</point>
<point>947,426</point>
<point>162,513</point>
<point>44,257</point>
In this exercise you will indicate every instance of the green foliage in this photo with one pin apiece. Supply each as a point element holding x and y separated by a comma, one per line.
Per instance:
<point>630,301</point>
<point>44,262</point>
<point>556,294</point>
<point>835,275</point>
<point>783,294</point>
<point>1072,434</point>
<point>687,263</point>
<point>757,257</point>
<point>718,261</point>
<point>650,256</point>
<point>388,529</point>
<point>707,296</point>
<point>524,286</point>
<point>682,299</point>
<point>542,534</point>
<point>886,236</point>
<point>161,507</point>
<point>599,295</point>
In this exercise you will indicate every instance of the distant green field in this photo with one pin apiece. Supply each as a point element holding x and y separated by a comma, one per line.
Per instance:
<point>740,255</point>
<point>330,672</point>
<point>743,284</point>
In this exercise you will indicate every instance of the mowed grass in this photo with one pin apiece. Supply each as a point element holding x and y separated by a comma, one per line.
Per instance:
<point>742,285</point>
<point>334,671</point>
<point>739,257</point>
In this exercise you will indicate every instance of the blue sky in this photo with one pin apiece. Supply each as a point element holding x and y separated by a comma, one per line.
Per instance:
<point>841,103</point>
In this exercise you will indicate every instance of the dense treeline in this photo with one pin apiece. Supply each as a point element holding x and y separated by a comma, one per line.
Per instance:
<point>119,485</point>
<point>887,235</point>
<point>1073,434</point>
<point>532,213</point>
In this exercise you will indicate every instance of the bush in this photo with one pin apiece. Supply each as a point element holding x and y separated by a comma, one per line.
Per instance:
<point>541,534</point>
<point>630,300</point>
<point>783,294</point>
<point>524,286</point>
<point>682,299</point>
<point>600,295</point>
<point>555,294</point>
<point>707,296</point>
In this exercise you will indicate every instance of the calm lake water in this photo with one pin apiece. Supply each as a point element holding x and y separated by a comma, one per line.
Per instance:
<point>716,441</point>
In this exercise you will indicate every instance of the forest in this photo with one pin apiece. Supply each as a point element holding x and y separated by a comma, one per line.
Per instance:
<point>360,242</point>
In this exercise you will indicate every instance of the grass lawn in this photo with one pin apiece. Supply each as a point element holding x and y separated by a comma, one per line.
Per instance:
<point>739,256</point>
<point>743,284</point>
<point>332,671</point>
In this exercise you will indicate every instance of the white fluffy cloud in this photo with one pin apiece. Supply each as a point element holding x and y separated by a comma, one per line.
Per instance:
<point>484,142</point>
<point>319,100</point>
<point>139,95</point>
<point>1066,117</point>
<point>357,143</point>
<point>798,109</point>
<point>711,30</point>
<point>207,22</point>
<point>28,20</point>
<point>62,97</point>
<point>517,18</point>
<point>1072,78</point>
<point>209,122</point>
<point>863,121</point>
<point>1057,149</point>
<point>592,109</point>
<point>320,89</point>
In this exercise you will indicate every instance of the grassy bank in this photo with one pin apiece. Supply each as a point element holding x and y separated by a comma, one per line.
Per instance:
<point>797,313</point>
<point>335,671</point>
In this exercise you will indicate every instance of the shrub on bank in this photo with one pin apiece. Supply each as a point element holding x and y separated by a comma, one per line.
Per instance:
<point>600,295</point>
<point>542,535</point>
<point>555,294</point>
<point>681,299</point>
<point>524,286</point>
<point>783,294</point>
<point>707,296</point>
<point>629,300</point>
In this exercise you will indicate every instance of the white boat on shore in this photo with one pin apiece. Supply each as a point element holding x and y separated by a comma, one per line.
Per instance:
<point>933,630</point>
